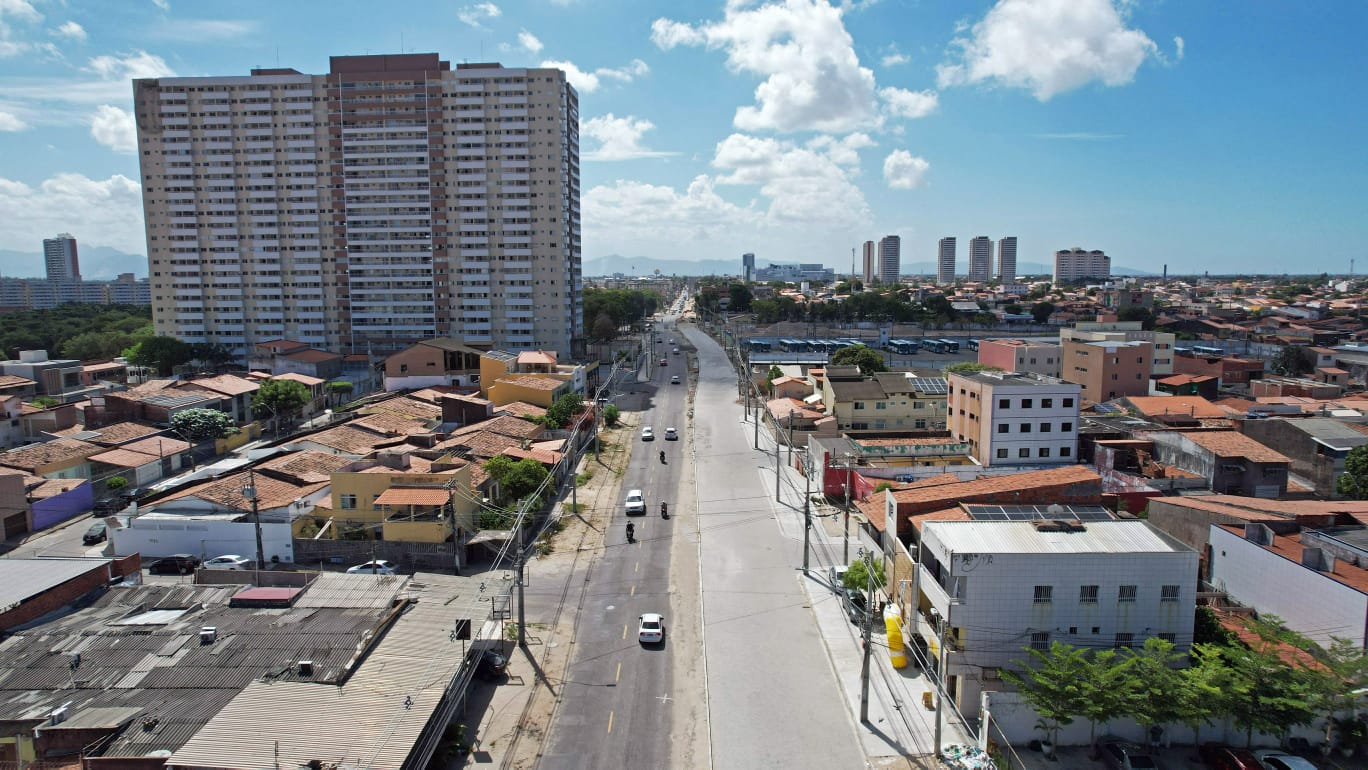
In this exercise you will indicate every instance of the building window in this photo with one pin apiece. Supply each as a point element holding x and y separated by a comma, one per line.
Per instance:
<point>1096,630</point>
<point>1024,452</point>
<point>1073,630</point>
<point>1044,451</point>
<point>1044,594</point>
<point>859,405</point>
<point>1066,427</point>
<point>1004,428</point>
<point>1124,640</point>
<point>1168,594</point>
<point>1065,451</point>
<point>1168,637</point>
<point>1004,403</point>
<point>1025,427</point>
<point>1068,402</point>
<point>884,405</point>
<point>1044,427</point>
<point>1126,594</point>
<point>1002,454</point>
<point>403,368</point>
<point>1040,640</point>
<point>1047,403</point>
<point>1026,403</point>
<point>1087,594</point>
<point>347,502</point>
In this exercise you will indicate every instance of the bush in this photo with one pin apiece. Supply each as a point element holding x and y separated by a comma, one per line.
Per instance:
<point>611,416</point>
<point>115,483</point>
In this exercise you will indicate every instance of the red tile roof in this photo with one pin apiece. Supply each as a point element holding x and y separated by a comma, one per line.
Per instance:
<point>227,384</point>
<point>1074,484</point>
<point>414,496</point>
<point>1226,443</point>
<point>1290,548</point>
<point>124,458</point>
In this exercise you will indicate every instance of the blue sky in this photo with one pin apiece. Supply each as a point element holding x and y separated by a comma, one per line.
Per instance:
<point>1208,136</point>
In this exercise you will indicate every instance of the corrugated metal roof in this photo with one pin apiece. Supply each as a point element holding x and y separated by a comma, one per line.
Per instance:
<point>336,589</point>
<point>21,579</point>
<point>1128,536</point>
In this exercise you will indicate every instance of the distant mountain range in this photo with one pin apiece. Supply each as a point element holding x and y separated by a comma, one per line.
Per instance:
<point>98,263</point>
<point>645,266</point>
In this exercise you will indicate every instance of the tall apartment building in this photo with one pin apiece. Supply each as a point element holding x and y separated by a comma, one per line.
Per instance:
<point>59,256</point>
<point>1108,369</point>
<point>40,293</point>
<point>748,267</point>
<point>1006,259</point>
<point>1128,331</point>
<point>1077,265</point>
<point>890,260</point>
<point>980,258</point>
<point>1014,418</point>
<point>870,266</point>
<point>945,261</point>
<point>390,200</point>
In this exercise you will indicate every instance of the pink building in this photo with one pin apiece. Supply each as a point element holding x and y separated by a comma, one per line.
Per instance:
<point>1035,356</point>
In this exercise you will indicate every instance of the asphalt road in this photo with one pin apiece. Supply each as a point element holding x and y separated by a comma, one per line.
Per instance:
<point>616,698</point>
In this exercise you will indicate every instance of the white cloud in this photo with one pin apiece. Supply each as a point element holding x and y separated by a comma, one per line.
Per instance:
<point>529,42</point>
<point>104,212</point>
<point>139,64</point>
<point>1049,47</point>
<point>115,129</point>
<point>619,138</point>
<point>894,59</point>
<point>204,30</point>
<point>808,184</point>
<point>588,82</point>
<point>162,4</point>
<point>631,212</point>
<point>71,31</point>
<point>1178,45</point>
<point>813,78</point>
<point>904,171</point>
<point>11,122</point>
<point>474,15</point>
<point>909,104</point>
<point>11,11</point>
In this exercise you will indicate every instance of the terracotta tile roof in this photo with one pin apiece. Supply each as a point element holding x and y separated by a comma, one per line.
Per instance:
<point>302,379</point>
<point>532,382</point>
<point>520,409</point>
<point>414,496</point>
<point>1227,443</point>
<point>780,408</point>
<point>504,425</point>
<point>124,458</point>
<point>1210,505</point>
<point>157,445</point>
<point>909,441</point>
<point>483,444</point>
<point>934,481</point>
<point>391,424</point>
<point>113,434</point>
<point>1194,406</point>
<point>226,492</point>
<point>108,366</point>
<point>407,406</point>
<point>10,381</point>
<point>307,467</point>
<point>351,440</point>
<point>540,455</point>
<point>436,394</point>
<point>46,488</point>
<point>61,450</point>
<point>1290,548</point>
<point>310,356</point>
<point>528,357</point>
<point>227,384</point>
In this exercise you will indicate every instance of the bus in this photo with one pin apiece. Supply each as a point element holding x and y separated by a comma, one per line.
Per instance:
<point>951,346</point>
<point>759,346</point>
<point>973,344</point>
<point>934,346</point>
<point>1207,350</point>
<point>903,347</point>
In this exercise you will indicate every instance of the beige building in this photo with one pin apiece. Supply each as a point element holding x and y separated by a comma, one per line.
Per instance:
<point>1073,265</point>
<point>1127,331</point>
<point>884,401</point>
<point>399,497</point>
<point>393,199</point>
<point>1108,369</point>
<point>1028,355</point>
<point>1015,418</point>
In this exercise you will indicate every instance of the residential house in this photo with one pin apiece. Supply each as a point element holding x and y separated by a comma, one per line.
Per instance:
<point>62,458</point>
<point>1230,370</point>
<point>1316,446</point>
<point>1202,385</point>
<point>1022,355</point>
<point>399,496</point>
<point>529,376</point>
<point>155,401</point>
<point>37,422</point>
<point>236,393</point>
<point>1162,342</point>
<point>110,372</point>
<point>56,378</point>
<point>887,401</point>
<point>441,361</point>
<point>290,357</point>
<point>1108,369</point>
<point>13,385</point>
<point>1231,462</point>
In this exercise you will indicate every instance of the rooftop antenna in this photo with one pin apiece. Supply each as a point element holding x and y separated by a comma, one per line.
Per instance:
<point>401,42</point>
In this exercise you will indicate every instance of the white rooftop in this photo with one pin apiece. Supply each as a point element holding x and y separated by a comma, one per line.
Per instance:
<point>1122,536</point>
<point>21,579</point>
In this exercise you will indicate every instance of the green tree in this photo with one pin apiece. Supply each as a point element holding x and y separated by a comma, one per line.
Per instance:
<point>969,367</point>
<point>1052,682</point>
<point>857,575</point>
<point>516,478</point>
<point>1137,313</point>
<point>1342,671</point>
<point>1263,693</point>
<point>564,411</point>
<point>115,483</point>
<point>279,400</point>
<point>862,356</point>
<point>44,402</point>
<point>1353,483</point>
<point>1041,311</point>
<point>91,345</point>
<point>1293,361</point>
<point>1205,684</point>
<point>604,329</point>
<point>1207,629</point>
<point>1106,676</point>
<point>740,298</point>
<point>212,355</point>
<point>1153,683</point>
<point>338,390</point>
<point>161,354</point>
<point>611,415</point>
<point>199,425</point>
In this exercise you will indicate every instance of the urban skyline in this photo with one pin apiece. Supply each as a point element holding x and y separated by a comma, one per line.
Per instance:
<point>700,141</point>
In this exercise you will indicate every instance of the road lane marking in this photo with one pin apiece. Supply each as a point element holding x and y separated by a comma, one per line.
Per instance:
<point>624,630</point>
<point>618,676</point>
<point>633,593</point>
<point>637,568</point>
<point>610,723</point>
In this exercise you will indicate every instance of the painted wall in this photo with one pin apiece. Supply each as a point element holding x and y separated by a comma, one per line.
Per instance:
<point>63,507</point>
<point>159,536</point>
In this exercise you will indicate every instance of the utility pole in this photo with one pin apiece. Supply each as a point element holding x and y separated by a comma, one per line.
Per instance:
<point>250,493</point>
<point>807,508</point>
<point>792,412</point>
<point>758,407</point>
<point>940,668</point>
<point>778,490</point>
<point>868,632</point>
<point>522,603</point>
<point>845,537</point>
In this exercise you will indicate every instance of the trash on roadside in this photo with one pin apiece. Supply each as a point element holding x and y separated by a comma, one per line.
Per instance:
<point>962,756</point>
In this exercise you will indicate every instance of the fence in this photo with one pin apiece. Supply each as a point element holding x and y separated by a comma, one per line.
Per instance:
<point>418,556</point>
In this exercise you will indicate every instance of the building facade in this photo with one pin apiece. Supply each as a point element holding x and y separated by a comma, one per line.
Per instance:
<point>390,200</point>
<point>869,263</point>
<point>1128,331</point>
<point>980,259</point>
<point>1006,259</point>
<point>806,271</point>
<point>1108,369</point>
<point>945,260</point>
<point>1028,355</point>
<point>41,293</point>
<point>890,260</point>
<point>1015,419</point>
<point>59,257</point>
<point>748,267</point>
<point>1072,265</point>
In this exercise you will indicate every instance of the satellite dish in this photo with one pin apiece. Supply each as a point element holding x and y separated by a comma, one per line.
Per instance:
<point>1055,510</point>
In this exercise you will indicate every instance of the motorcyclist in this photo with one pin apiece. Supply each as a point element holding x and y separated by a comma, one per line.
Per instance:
<point>631,531</point>
<point>664,510</point>
<point>662,455</point>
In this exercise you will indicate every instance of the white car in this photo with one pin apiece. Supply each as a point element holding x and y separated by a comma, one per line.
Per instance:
<point>671,434</point>
<point>377,567</point>
<point>228,561</point>
<point>674,379</point>
<point>1274,759</point>
<point>647,434</point>
<point>636,503</point>
<point>651,629</point>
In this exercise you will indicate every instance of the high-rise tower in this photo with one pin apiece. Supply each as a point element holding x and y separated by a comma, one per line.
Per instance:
<point>870,271</point>
<point>390,200</point>
<point>945,262</point>
<point>890,260</point>
<point>980,258</point>
<point>748,267</point>
<point>59,257</point>
<point>1006,259</point>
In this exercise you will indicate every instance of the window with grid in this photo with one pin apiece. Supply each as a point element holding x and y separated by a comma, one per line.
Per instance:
<point>1044,594</point>
<point>1065,451</point>
<point>1124,640</point>
<point>1126,594</point>
<point>1087,594</point>
<point>1170,638</point>
<point>1026,403</point>
<point>1047,403</point>
<point>1024,452</point>
<point>1068,402</point>
<point>1040,640</point>
<point>1168,594</point>
<point>1002,454</point>
<point>1043,452</point>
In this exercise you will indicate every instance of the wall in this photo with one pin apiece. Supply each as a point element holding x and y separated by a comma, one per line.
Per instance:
<point>159,536</point>
<point>59,508</point>
<point>1300,448</point>
<point>101,573</point>
<point>246,434</point>
<point>430,556</point>
<point>1305,599</point>
<point>1193,526</point>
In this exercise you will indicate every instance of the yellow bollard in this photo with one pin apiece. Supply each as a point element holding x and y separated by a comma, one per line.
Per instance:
<point>896,655</point>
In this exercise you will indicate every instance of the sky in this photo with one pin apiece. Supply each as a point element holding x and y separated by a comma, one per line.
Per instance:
<point>1206,136</point>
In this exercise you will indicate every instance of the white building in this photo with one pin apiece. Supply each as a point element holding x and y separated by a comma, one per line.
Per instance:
<point>1072,265</point>
<point>890,260</point>
<point>1310,580</point>
<point>60,259</point>
<point>980,258</point>
<point>1020,584</point>
<point>393,199</point>
<point>1015,418</point>
<point>1006,259</point>
<point>945,260</point>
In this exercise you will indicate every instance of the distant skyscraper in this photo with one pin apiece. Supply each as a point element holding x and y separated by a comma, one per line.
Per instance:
<point>1006,259</point>
<point>945,263</point>
<point>748,267</point>
<point>890,260</point>
<point>59,254</point>
<point>871,263</point>
<point>980,258</point>
<point>1076,265</point>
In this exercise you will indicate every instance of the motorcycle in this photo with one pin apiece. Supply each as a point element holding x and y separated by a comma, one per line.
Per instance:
<point>631,533</point>
<point>664,511</point>
<point>662,457</point>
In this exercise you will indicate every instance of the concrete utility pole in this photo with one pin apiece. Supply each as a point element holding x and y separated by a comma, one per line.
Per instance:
<point>868,632</point>
<point>845,536</point>
<point>940,668</point>
<point>522,602</point>
<point>250,492</point>
<point>778,490</point>
<point>807,507</point>
<point>792,412</point>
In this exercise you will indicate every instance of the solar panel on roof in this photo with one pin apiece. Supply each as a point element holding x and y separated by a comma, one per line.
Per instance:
<point>931,385</point>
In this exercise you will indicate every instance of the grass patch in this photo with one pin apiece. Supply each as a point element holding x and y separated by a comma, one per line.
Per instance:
<point>575,507</point>
<point>583,478</point>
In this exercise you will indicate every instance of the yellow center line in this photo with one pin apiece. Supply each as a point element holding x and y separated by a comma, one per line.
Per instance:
<point>637,568</point>
<point>610,722</point>
<point>618,676</point>
<point>624,631</point>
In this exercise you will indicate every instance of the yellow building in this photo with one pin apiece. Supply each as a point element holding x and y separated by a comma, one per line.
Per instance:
<point>883,401</point>
<point>424,501</point>
<point>533,376</point>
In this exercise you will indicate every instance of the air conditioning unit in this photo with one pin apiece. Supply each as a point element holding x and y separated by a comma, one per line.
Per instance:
<point>306,668</point>
<point>208,634</point>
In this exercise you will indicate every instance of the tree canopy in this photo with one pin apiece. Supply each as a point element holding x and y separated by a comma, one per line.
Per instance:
<point>197,425</point>
<point>564,411</point>
<point>104,331</point>
<point>1293,361</point>
<point>606,311</point>
<point>1041,311</point>
<point>969,367</point>
<point>279,398</point>
<point>868,359</point>
<point>1353,483</point>
<point>516,478</point>
<point>857,575</point>
<point>162,354</point>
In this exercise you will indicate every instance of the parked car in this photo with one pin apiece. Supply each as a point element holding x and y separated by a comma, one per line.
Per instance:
<point>1219,756</point>
<point>648,433</point>
<point>636,503</point>
<point>1120,754</point>
<point>491,665</point>
<point>177,564</point>
<point>96,534</point>
<point>107,505</point>
<point>676,351</point>
<point>836,576</point>
<point>671,434</point>
<point>1277,759</point>
<point>857,608</point>
<point>230,561</point>
<point>377,567</point>
<point>651,628</point>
